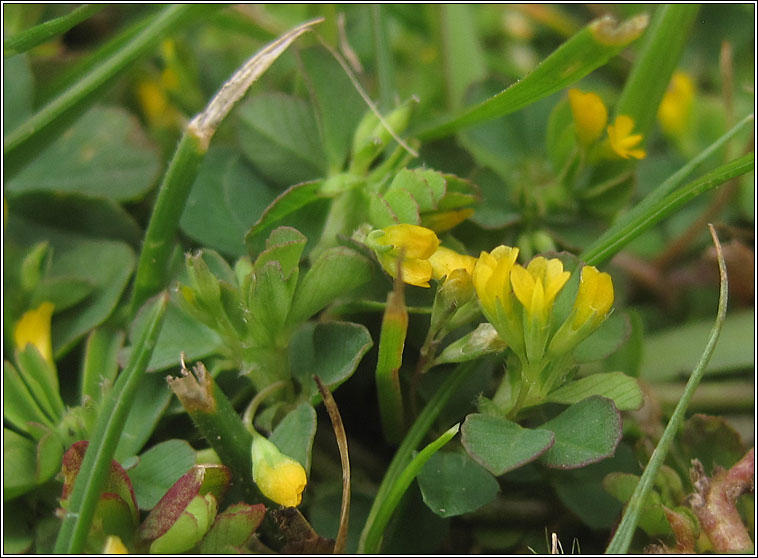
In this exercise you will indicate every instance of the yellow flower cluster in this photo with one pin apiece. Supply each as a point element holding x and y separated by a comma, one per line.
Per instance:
<point>590,119</point>
<point>498,280</point>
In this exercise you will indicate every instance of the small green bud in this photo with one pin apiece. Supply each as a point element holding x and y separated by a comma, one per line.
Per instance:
<point>203,280</point>
<point>372,136</point>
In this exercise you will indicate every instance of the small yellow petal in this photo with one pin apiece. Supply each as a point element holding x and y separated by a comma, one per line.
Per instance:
<point>590,115</point>
<point>444,261</point>
<point>622,141</point>
<point>114,545</point>
<point>34,327</point>
<point>523,285</point>
<point>417,272</point>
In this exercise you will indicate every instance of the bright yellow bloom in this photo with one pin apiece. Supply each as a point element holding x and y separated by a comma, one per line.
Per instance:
<point>444,261</point>
<point>413,243</point>
<point>595,297</point>
<point>34,327</point>
<point>537,285</point>
<point>113,545</point>
<point>622,141</point>
<point>676,104</point>
<point>441,221</point>
<point>492,279</point>
<point>590,115</point>
<point>279,477</point>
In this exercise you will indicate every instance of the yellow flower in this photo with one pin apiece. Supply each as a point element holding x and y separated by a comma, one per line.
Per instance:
<point>492,279</point>
<point>34,327</point>
<point>279,477</point>
<point>622,141</point>
<point>676,104</point>
<point>444,261</point>
<point>590,115</point>
<point>537,285</point>
<point>113,545</point>
<point>413,243</point>
<point>595,297</point>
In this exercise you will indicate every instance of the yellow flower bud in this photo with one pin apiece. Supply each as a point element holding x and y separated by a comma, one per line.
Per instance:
<point>621,139</point>
<point>676,104</point>
<point>595,297</point>
<point>34,327</point>
<point>444,261</point>
<point>537,285</point>
<point>413,243</point>
<point>590,115</point>
<point>279,477</point>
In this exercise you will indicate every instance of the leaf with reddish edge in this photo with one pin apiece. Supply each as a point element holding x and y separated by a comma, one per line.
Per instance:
<point>233,528</point>
<point>117,483</point>
<point>198,481</point>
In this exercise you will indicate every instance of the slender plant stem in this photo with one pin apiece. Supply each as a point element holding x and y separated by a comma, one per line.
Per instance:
<point>23,41</point>
<point>110,423</point>
<point>340,541</point>
<point>623,536</point>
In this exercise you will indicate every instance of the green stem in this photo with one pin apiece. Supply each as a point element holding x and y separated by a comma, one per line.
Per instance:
<point>617,237</point>
<point>22,144</point>
<point>411,441</point>
<point>219,423</point>
<point>25,40</point>
<point>623,536</point>
<point>110,423</point>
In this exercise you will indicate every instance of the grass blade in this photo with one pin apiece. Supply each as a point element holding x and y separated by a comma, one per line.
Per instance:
<point>21,42</point>
<point>107,432</point>
<point>586,51</point>
<point>623,536</point>
<point>411,441</point>
<point>46,124</point>
<point>617,237</point>
<point>373,539</point>
<point>660,50</point>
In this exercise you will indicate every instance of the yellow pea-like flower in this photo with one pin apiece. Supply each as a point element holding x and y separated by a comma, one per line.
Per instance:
<point>279,477</point>
<point>594,298</point>
<point>413,243</point>
<point>590,115</point>
<point>34,327</point>
<point>621,139</point>
<point>537,285</point>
